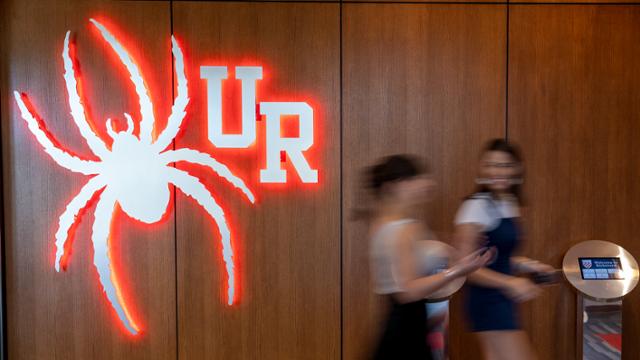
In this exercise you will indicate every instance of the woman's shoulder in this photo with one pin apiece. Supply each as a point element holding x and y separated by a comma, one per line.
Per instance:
<point>476,201</point>
<point>408,227</point>
<point>395,226</point>
<point>474,209</point>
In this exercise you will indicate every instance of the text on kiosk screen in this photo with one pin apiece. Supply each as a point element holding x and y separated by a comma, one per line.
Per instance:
<point>601,268</point>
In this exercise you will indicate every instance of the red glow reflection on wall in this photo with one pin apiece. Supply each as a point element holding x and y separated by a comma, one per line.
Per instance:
<point>131,171</point>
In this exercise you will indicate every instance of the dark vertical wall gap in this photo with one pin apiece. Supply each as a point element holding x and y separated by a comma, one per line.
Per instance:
<point>341,203</point>
<point>4,352</point>
<point>175,201</point>
<point>506,90</point>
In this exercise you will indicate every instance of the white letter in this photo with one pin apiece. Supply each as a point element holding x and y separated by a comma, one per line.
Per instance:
<point>214,76</point>
<point>293,147</point>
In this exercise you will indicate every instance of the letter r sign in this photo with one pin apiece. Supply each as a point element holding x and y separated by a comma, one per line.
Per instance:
<point>273,111</point>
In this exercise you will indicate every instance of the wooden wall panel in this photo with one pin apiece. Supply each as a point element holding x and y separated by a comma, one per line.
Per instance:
<point>65,315</point>
<point>288,244</point>
<point>428,80</point>
<point>576,2</point>
<point>436,2</point>
<point>574,106</point>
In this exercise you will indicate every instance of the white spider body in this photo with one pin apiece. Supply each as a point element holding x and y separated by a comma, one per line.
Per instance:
<point>135,172</point>
<point>127,170</point>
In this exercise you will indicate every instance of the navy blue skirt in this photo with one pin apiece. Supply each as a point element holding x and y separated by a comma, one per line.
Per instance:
<point>490,310</point>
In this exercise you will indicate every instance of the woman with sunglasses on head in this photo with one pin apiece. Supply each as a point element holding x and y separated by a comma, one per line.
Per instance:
<point>399,184</point>
<point>491,215</point>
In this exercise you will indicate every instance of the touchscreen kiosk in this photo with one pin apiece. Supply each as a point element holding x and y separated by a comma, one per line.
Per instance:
<point>603,273</point>
<point>601,268</point>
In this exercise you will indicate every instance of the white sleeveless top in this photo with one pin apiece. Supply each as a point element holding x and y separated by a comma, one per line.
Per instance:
<point>383,257</point>
<point>482,209</point>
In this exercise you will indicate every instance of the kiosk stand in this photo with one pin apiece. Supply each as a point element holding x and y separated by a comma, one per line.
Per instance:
<point>603,273</point>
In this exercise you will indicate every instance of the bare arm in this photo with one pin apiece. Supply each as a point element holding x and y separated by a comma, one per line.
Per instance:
<point>524,265</point>
<point>416,287</point>
<point>467,237</point>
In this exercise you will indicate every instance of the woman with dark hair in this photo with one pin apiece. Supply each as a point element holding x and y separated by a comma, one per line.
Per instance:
<point>399,183</point>
<point>491,214</point>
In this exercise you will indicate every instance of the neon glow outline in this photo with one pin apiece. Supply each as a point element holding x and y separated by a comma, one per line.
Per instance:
<point>134,174</point>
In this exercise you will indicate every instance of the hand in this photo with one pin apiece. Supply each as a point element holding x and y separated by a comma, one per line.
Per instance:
<point>483,240</point>
<point>472,262</point>
<point>521,289</point>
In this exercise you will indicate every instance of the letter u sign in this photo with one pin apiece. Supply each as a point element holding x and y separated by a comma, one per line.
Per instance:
<point>273,111</point>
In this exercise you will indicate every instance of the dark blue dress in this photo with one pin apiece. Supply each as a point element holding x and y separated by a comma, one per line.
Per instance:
<point>489,309</point>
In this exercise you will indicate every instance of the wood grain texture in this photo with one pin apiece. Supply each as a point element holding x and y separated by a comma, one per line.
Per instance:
<point>574,106</point>
<point>288,243</point>
<point>428,80</point>
<point>434,2</point>
<point>425,79</point>
<point>575,2</point>
<point>268,1</point>
<point>65,315</point>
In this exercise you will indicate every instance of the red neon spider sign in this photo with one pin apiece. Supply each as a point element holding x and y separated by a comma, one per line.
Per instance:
<point>136,173</point>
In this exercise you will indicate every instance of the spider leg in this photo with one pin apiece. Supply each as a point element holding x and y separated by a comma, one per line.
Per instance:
<point>146,107</point>
<point>196,157</point>
<point>180,103</point>
<point>60,156</point>
<point>112,133</point>
<point>192,187</point>
<point>78,113</point>
<point>102,259</point>
<point>70,216</point>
